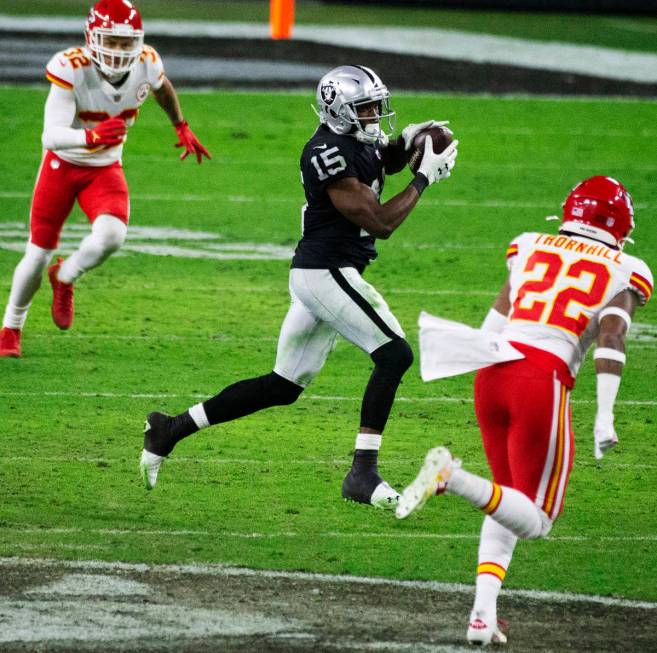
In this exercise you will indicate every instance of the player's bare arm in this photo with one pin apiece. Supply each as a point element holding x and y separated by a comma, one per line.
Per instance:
<point>497,316</point>
<point>358,204</point>
<point>614,325</point>
<point>614,321</point>
<point>167,98</point>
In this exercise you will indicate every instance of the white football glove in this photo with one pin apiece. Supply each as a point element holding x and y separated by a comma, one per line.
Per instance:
<point>411,131</point>
<point>604,435</point>
<point>436,167</point>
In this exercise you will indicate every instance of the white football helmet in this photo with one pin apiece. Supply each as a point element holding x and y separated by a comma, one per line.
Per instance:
<point>341,91</point>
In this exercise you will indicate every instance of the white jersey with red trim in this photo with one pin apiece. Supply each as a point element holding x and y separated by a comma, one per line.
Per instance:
<point>559,285</point>
<point>96,99</point>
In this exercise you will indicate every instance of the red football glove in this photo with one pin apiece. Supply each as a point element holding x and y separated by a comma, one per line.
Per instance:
<point>188,140</point>
<point>110,132</point>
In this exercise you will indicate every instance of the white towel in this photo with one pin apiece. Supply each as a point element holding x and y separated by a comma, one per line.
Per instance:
<point>450,348</point>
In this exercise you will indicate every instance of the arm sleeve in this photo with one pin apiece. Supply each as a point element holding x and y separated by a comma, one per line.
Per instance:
<point>58,117</point>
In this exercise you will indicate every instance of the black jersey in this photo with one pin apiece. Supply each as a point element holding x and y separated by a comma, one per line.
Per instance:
<point>329,240</point>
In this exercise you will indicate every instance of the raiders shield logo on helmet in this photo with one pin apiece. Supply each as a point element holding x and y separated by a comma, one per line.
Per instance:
<point>328,93</point>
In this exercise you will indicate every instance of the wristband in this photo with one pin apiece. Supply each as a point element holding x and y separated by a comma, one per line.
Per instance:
<point>419,183</point>
<point>607,389</point>
<point>494,321</point>
<point>610,354</point>
<point>618,312</point>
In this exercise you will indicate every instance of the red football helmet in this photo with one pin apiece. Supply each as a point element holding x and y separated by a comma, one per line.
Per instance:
<point>600,208</point>
<point>115,36</point>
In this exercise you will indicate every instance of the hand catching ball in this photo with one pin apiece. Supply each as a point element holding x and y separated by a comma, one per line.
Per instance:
<point>441,138</point>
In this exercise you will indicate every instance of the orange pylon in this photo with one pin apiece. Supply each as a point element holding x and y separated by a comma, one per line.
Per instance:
<point>281,18</point>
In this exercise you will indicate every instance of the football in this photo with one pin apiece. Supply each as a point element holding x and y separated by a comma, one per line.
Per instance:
<point>441,137</point>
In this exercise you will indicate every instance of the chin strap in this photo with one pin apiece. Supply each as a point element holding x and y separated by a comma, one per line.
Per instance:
<point>371,137</point>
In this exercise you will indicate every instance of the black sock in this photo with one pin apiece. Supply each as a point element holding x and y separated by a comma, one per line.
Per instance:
<point>365,461</point>
<point>248,396</point>
<point>181,426</point>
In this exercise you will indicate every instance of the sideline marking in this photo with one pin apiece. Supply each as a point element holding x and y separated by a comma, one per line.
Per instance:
<point>450,44</point>
<point>226,570</point>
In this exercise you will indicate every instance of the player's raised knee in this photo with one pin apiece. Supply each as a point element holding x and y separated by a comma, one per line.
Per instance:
<point>396,355</point>
<point>110,231</point>
<point>281,391</point>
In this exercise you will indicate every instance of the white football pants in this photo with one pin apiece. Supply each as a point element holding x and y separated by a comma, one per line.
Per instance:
<point>325,303</point>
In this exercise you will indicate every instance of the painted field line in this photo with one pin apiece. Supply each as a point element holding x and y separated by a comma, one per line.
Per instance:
<point>223,571</point>
<point>639,343</point>
<point>291,535</point>
<point>249,199</point>
<point>282,290</point>
<point>304,397</point>
<point>315,462</point>
<point>212,337</point>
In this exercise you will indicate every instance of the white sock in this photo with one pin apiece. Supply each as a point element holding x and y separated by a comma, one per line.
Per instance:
<point>496,546</point>
<point>25,283</point>
<point>507,506</point>
<point>107,235</point>
<point>368,441</point>
<point>197,413</point>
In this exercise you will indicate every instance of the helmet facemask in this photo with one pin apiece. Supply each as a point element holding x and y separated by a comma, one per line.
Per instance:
<point>115,50</point>
<point>368,127</point>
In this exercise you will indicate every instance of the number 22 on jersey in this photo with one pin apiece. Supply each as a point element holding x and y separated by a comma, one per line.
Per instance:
<point>554,300</point>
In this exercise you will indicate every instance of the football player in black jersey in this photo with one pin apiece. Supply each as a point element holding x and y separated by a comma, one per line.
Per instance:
<point>343,169</point>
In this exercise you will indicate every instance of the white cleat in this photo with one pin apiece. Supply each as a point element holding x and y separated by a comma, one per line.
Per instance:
<point>149,465</point>
<point>481,633</point>
<point>433,476</point>
<point>384,497</point>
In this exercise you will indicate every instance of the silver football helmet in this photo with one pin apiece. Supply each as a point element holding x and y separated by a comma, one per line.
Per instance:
<point>341,91</point>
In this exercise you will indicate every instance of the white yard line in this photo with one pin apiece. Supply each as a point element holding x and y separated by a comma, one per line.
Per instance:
<point>306,397</point>
<point>313,462</point>
<point>256,199</point>
<point>224,571</point>
<point>291,535</point>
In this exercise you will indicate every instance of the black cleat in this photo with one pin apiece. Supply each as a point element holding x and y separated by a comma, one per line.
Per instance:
<point>158,443</point>
<point>369,488</point>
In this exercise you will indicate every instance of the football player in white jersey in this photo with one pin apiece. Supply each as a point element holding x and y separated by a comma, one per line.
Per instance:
<point>563,292</point>
<point>95,95</point>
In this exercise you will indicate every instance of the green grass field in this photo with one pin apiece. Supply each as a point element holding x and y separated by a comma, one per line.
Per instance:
<point>156,332</point>
<point>625,32</point>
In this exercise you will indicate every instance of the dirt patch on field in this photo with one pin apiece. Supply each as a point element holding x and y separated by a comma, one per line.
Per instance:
<point>52,606</point>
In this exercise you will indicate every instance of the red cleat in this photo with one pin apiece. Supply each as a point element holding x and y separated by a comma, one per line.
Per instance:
<point>10,342</point>
<point>62,298</point>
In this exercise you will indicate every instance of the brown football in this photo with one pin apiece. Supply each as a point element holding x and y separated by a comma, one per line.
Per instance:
<point>441,137</point>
